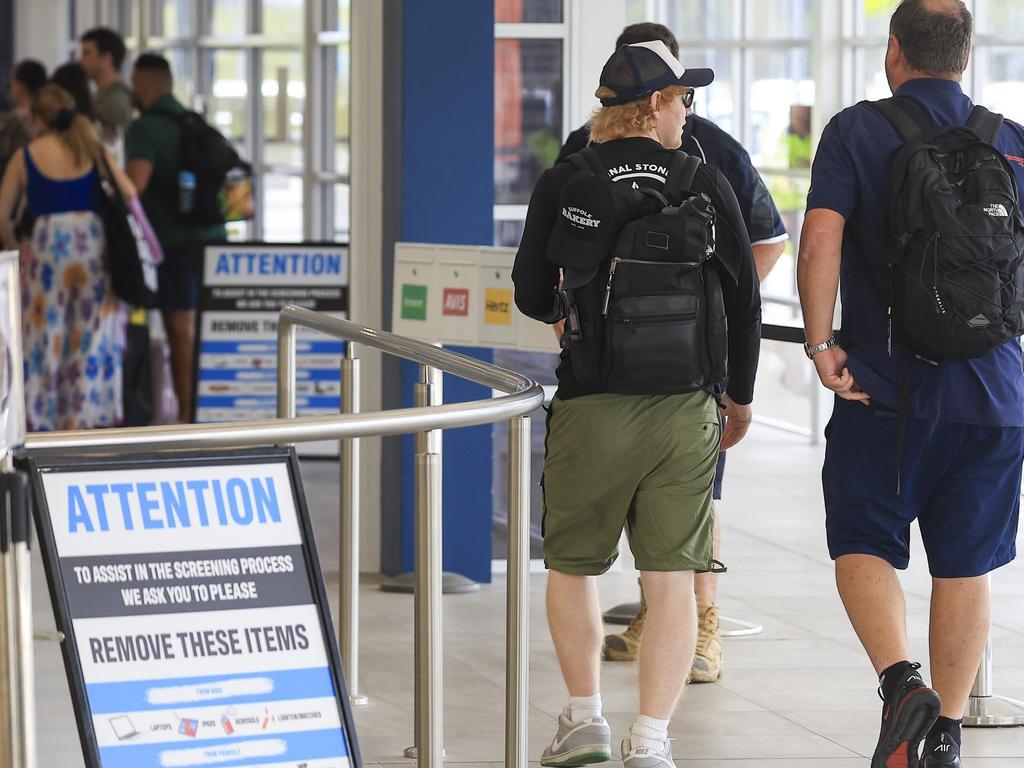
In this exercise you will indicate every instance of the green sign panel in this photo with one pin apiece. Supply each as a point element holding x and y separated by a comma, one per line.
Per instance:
<point>414,302</point>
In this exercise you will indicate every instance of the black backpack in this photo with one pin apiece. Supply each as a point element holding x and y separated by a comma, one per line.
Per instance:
<point>652,321</point>
<point>956,258</point>
<point>216,165</point>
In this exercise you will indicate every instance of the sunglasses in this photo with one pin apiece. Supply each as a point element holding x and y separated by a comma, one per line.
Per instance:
<point>688,95</point>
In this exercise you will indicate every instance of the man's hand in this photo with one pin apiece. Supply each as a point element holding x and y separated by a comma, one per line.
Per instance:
<point>559,329</point>
<point>832,370</point>
<point>737,422</point>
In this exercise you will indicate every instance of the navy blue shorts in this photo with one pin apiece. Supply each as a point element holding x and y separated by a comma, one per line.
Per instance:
<point>959,481</point>
<point>179,275</point>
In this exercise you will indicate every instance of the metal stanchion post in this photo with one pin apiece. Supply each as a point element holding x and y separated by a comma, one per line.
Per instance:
<point>285,369</point>
<point>517,616</point>
<point>18,740</point>
<point>348,563</point>
<point>428,691</point>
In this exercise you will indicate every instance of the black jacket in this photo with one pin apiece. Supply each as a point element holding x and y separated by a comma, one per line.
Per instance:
<point>536,278</point>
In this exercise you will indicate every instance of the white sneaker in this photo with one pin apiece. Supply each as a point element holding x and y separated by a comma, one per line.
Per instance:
<point>647,757</point>
<point>581,742</point>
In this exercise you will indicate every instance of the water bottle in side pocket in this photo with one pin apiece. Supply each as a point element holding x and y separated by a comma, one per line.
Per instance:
<point>186,191</point>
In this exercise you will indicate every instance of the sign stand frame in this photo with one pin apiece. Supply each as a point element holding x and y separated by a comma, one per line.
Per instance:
<point>61,608</point>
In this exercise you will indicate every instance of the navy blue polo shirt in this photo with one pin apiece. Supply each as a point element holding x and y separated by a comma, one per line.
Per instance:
<point>851,176</point>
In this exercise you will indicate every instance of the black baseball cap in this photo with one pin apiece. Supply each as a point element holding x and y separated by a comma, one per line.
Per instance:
<point>637,70</point>
<point>590,214</point>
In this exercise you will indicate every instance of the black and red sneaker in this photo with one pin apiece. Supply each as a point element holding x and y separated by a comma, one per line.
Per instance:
<point>941,750</point>
<point>907,715</point>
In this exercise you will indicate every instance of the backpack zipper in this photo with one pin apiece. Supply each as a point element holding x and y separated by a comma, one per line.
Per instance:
<point>615,265</point>
<point>657,320</point>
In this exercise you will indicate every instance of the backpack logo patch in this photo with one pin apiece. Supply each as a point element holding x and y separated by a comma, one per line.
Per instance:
<point>978,321</point>
<point>996,209</point>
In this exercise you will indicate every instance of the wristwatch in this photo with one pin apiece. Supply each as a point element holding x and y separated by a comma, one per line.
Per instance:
<point>812,349</point>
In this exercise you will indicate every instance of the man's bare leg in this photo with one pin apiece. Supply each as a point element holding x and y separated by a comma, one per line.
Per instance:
<point>574,619</point>
<point>669,640</point>
<point>180,325</point>
<point>874,601</point>
<point>960,616</point>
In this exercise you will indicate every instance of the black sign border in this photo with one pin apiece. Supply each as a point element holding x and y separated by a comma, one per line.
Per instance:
<point>58,596</point>
<point>200,308</point>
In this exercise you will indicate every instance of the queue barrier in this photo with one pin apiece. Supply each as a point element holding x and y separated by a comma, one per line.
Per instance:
<point>17,701</point>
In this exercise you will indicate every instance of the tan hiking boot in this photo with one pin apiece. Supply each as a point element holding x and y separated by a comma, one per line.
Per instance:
<point>626,646</point>
<point>707,661</point>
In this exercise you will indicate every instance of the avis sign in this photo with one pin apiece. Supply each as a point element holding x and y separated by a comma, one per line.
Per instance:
<point>455,302</point>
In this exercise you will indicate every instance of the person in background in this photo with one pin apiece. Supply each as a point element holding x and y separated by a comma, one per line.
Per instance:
<point>16,125</point>
<point>72,323</point>
<point>768,236</point>
<point>152,150</point>
<point>101,56</point>
<point>72,78</point>
<point>936,442</point>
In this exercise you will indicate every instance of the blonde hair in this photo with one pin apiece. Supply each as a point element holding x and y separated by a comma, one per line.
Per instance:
<point>56,108</point>
<point>630,119</point>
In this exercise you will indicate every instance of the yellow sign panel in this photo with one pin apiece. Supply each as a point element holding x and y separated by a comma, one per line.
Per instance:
<point>498,306</point>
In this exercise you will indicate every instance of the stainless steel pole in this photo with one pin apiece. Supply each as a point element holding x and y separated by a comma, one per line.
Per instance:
<point>8,684</point>
<point>517,614</point>
<point>348,565</point>
<point>286,330</point>
<point>429,661</point>
<point>23,664</point>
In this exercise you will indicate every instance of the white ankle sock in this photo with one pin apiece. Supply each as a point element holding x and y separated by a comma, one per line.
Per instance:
<point>648,732</point>
<point>582,707</point>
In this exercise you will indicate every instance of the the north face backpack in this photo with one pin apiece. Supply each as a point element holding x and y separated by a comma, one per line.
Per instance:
<point>652,321</point>
<point>223,180</point>
<point>956,258</point>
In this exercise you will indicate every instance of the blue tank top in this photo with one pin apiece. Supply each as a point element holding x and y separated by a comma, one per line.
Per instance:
<point>46,195</point>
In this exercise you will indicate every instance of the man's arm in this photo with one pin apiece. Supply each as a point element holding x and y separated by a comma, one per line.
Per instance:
<point>140,172</point>
<point>817,275</point>
<point>536,278</point>
<point>765,257</point>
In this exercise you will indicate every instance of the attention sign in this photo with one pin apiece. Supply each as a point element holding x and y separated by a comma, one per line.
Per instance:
<point>196,626</point>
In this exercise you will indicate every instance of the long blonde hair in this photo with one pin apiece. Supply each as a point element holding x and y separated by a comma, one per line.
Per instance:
<point>630,119</point>
<point>55,107</point>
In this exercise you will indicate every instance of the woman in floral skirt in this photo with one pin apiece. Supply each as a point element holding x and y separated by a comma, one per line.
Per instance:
<point>73,325</point>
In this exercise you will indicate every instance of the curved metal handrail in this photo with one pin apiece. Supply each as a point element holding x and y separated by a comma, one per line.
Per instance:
<point>524,395</point>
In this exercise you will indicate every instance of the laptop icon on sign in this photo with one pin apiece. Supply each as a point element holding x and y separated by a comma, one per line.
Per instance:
<point>123,727</point>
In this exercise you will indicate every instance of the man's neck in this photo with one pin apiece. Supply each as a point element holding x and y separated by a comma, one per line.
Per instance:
<point>910,75</point>
<point>106,79</point>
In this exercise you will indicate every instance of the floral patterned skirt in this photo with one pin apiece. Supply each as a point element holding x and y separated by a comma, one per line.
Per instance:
<point>73,326</point>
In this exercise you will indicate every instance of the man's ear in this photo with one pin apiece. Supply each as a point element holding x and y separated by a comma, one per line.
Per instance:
<point>894,51</point>
<point>656,101</point>
<point>967,58</point>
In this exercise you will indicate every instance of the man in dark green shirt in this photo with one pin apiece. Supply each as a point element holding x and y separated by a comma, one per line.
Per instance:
<point>153,156</point>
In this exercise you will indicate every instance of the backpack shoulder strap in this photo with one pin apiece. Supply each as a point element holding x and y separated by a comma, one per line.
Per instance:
<point>587,160</point>
<point>905,116</point>
<point>681,173</point>
<point>985,125</point>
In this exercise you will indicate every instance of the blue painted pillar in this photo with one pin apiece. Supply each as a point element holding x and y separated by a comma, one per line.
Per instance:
<point>448,197</point>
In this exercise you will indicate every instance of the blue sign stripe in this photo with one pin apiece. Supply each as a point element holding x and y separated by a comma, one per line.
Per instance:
<point>326,347</point>
<point>241,401</point>
<point>119,698</point>
<point>265,374</point>
<point>307,745</point>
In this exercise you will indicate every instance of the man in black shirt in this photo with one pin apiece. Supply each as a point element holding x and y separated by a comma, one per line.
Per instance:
<point>647,460</point>
<point>768,236</point>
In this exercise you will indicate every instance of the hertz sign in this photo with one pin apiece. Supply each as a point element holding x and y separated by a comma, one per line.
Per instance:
<point>498,306</point>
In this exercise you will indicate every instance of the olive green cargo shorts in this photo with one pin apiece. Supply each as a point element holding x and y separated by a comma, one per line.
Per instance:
<point>643,461</point>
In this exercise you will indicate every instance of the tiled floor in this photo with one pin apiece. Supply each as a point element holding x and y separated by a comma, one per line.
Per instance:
<point>800,695</point>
